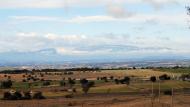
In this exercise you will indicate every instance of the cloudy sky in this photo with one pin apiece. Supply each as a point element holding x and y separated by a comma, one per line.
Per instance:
<point>95,28</point>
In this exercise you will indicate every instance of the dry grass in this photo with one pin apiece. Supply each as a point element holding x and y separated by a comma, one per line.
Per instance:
<point>102,101</point>
<point>101,98</point>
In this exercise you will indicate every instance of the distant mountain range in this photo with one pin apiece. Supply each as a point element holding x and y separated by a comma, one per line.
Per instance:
<point>50,56</point>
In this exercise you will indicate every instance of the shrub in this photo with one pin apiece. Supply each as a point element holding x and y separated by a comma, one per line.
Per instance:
<point>164,77</point>
<point>69,96</point>
<point>42,79</point>
<point>9,77</point>
<point>71,82</point>
<point>27,95</point>
<point>105,79</point>
<point>116,81</point>
<point>6,84</point>
<point>46,83</point>
<point>24,80</point>
<point>84,81</point>
<point>86,85</point>
<point>17,96</point>
<point>7,96</point>
<point>168,92</point>
<point>62,83</point>
<point>111,77</point>
<point>38,95</point>
<point>71,104</point>
<point>153,78</point>
<point>125,80</point>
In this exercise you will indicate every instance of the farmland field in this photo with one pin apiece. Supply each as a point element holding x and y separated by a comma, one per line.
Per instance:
<point>103,93</point>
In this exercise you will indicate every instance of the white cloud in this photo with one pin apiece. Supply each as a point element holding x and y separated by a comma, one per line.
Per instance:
<point>34,18</point>
<point>31,3</point>
<point>135,18</point>
<point>70,51</point>
<point>78,3</point>
<point>118,11</point>
<point>30,34</point>
<point>95,45</point>
<point>157,4</point>
<point>88,19</point>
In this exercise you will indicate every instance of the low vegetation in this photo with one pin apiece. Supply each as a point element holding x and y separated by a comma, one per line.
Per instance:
<point>48,83</point>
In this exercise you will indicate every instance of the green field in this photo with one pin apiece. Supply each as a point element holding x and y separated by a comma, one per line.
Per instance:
<point>182,70</point>
<point>102,87</point>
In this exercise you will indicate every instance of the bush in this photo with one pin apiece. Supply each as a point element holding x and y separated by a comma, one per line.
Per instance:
<point>24,80</point>
<point>46,83</point>
<point>18,96</point>
<point>168,92</point>
<point>38,95</point>
<point>27,95</point>
<point>153,78</point>
<point>111,77</point>
<point>105,79</point>
<point>84,81</point>
<point>6,84</point>
<point>7,96</point>
<point>86,85</point>
<point>71,82</point>
<point>125,80</point>
<point>164,77</point>
<point>15,96</point>
<point>116,81</point>
<point>69,96</point>
<point>42,79</point>
<point>62,83</point>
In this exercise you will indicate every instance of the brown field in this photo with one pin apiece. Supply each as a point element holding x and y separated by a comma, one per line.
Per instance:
<point>112,100</point>
<point>104,94</point>
<point>94,75</point>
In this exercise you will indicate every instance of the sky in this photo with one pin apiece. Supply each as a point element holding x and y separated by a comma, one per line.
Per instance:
<point>93,29</point>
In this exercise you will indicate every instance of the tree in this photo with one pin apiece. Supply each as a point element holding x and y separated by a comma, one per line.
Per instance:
<point>153,78</point>
<point>125,80</point>
<point>111,77</point>
<point>83,81</point>
<point>116,81</point>
<point>105,79</point>
<point>71,82</point>
<point>134,67</point>
<point>86,85</point>
<point>164,77</point>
